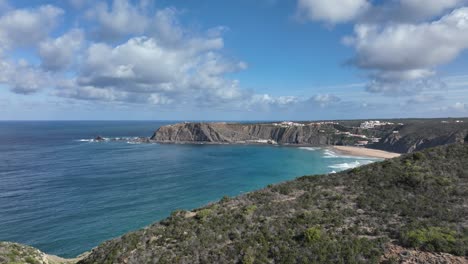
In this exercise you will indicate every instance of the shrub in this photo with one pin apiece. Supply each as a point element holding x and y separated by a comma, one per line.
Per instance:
<point>418,156</point>
<point>313,234</point>
<point>248,210</point>
<point>203,214</point>
<point>432,239</point>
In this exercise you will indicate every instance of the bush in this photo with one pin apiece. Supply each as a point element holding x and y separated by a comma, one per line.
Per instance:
<point>431,239</point>
<point>313,234</point>
<point>248,210</point>
<point>203,214</point>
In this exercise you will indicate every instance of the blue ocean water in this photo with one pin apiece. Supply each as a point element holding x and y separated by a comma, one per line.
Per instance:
<point>65,195</point>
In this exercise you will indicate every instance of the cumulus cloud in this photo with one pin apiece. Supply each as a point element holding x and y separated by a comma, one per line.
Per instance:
<point>332,11</point>
<point>170,64</point>
<point>58,54</point>
<point>266,99</point>
<point>403,57</point>
<point>23,78</point>
<point>119,20</point>
<point>324,99</point>
<point>412,49</point>
<point>25,27</point>
<point>399,43</point>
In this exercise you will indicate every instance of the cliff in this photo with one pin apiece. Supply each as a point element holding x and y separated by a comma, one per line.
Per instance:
<point>243,133</point>
<point>412,135</point>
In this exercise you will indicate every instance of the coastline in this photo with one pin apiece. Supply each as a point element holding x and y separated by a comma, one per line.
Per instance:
<point>346,150</point>
<point>365,152</point>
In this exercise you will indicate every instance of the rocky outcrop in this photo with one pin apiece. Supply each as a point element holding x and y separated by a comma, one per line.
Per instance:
<point>244,133</point>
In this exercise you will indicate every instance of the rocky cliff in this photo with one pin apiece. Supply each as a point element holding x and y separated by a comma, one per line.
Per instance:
<point>413,135</point>
<point>244,133</point>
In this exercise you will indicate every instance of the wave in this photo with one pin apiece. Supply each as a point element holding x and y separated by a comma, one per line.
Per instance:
<point>85,140</point>
<point>350,165</point>
<point>329,154</point>
<point>129,140</point>
<point>309,148</point>
<point>346,165</point>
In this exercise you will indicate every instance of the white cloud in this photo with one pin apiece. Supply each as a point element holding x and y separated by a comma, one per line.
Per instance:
<point>166,27</point>
<point>411,47</point>
<point>169,65</point>
<point>324,99</point>
<point>401,55</point>
<point>23,78</point>
<point>408,11</point>
<point>332,11</point>
<point>58,54</point>
<point>25,27</point>
<point>399,43</point>
<point>119,20</point>
<point>157,61</point>
<point>460,106</point>
<point>270,100</point>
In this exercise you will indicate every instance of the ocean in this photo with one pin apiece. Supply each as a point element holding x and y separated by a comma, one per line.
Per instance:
<point>64,194</point>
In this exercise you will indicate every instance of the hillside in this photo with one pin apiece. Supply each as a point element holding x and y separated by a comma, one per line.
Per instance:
<point>13,253</point>
<point>369,214</point>
<point>401,136</point>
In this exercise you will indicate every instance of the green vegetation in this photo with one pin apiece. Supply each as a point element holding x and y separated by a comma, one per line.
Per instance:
<point>417,201</point>
<point>313,234</point>
<point>435,239</point>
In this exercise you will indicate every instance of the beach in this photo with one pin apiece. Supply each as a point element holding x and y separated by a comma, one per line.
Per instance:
<point>365,152</point>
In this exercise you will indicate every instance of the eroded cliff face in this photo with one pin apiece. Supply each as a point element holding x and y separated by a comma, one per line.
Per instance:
<point>407,138</point>
<point>244,133</point>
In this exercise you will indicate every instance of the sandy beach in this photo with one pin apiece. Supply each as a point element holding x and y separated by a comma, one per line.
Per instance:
<point>365,152</point>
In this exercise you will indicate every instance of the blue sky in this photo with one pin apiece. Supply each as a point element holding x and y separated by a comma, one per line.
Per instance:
<point>233,60</point>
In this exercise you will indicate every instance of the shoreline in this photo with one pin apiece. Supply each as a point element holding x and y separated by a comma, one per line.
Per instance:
<point>365,152</point>
<point>345,150</point>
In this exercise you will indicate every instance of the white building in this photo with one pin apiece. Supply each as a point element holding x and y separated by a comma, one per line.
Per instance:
<point>372,124</point>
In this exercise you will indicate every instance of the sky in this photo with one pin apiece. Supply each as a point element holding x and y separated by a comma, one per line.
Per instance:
<point>232,60</point>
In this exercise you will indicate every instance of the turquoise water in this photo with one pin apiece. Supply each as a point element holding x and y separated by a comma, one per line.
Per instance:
<point>65,195</point>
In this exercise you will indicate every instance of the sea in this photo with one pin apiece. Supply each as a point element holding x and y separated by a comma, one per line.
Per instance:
<point>64,193</point>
